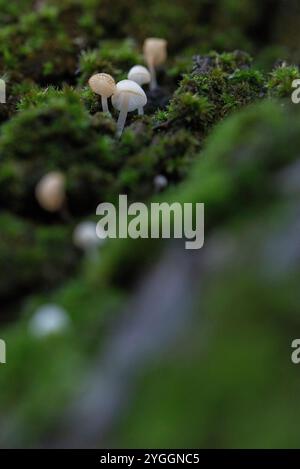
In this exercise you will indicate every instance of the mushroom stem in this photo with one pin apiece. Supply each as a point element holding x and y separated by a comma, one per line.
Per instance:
<point>153,82</point>
<point>104,104</point>
<point>122,115</point>
<point>141,111</point>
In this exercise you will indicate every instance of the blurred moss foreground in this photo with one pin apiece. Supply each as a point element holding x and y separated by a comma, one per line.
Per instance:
<point>181,349</point>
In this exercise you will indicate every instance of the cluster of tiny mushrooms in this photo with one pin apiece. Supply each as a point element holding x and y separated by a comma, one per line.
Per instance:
<point>128,95</point>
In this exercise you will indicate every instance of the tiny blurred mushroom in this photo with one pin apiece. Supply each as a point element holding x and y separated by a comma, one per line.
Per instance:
<point>50,191</point>
<point>155,53</point>
<point>47,320</point>
<point>160,182</point>
<point>85,236</point>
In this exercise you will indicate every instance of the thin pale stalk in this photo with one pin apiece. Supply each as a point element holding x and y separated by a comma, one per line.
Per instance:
<point>153,82</point>
<point>104,104</point>
<point>122,116</point>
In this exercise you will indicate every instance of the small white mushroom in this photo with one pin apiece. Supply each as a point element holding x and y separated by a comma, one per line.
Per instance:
<point>160,182</point>
<point>85,236</point>
<point>49,319</point>
<point>129,97</point>
<point>50,191</point>
<point>104,85</point>
<point>155,53</point>
<point>140,75</point>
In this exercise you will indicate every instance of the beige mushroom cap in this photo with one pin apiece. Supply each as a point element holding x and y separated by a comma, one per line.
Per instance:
<point>155,50</point>
<point>102,84</point>
<point>134,93</point>
<point>140,75</point>
<point>50,191</point>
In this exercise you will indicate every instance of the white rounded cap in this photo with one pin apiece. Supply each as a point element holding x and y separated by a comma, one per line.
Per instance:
<point>140,75</point>
<point>160,182</point>
<point>49,319</point>
<point>50,191</point>
<point>85,236</point>
<point>134,93</point>
<point>102,84</point>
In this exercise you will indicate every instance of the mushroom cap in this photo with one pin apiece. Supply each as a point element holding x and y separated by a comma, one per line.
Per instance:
<point>135,95</point>
<point>85,236</point>
<point>49,319</point>
<point>102,84</point>
<point>140,75</point>
<point>160,182</point>
<point>155,50</point>
<point>50,191</point>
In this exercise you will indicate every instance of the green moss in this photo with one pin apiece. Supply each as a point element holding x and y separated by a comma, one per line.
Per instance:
<point>33,257</point>
<point>38,47</point>
<point>235,168</point>
<point>113,57</point>
<point>170,155</point>
<point>219,84</point>
<point>281,79</point>
<point>57,133</point>
<point>65,126</point>
<point>11,11</point>
<point>50,375</point>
